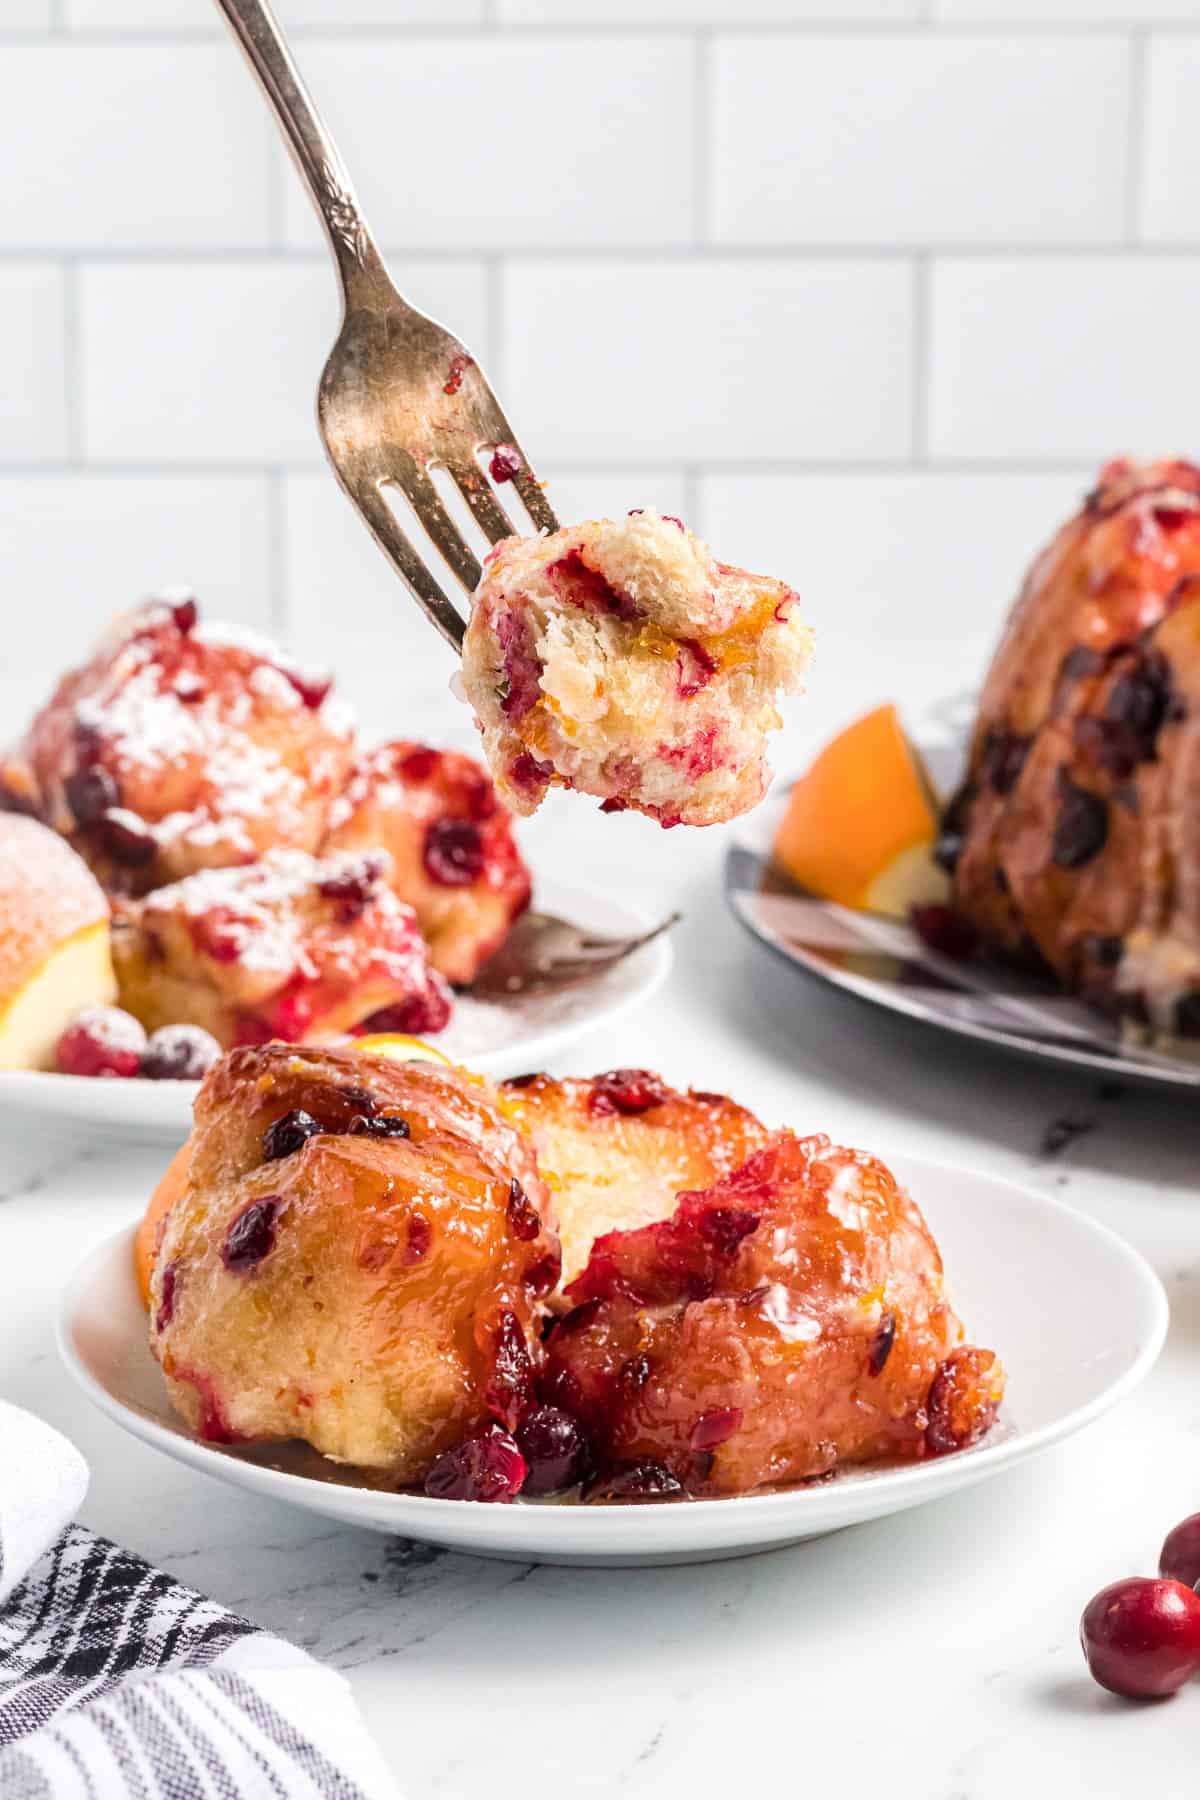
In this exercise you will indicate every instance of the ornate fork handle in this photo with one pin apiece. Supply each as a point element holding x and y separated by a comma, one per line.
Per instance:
<point>313,150</point>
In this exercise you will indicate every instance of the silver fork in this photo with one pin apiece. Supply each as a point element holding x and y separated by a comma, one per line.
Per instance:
<point>399,395</point>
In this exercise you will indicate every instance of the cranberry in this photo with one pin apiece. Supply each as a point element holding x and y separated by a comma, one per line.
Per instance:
<point>312,686</point>
<point>523,1219</point>
<point>453,855</point>
<point>510,1389</point>
<point>90,792</point>
<point>614,805</point>
<point>1081,662</point>
<point>487,1467</point>
<point>1105,952</point>
<point>101,1040</point>
<point>716,1427</point>
<point>506,463</point>
<point>724,1227</point>
<point>179,1053</point>
<point>420,1236</point>
<point>527,774</point>
<point>288,1134</point>
<point>251,1236</point>
<point>291,1018</point>
<point>1141,1637</point>
<point>379,1125</point>
<point>189,690</point>
<point>419,764</point>
<point>1081,829</point>
<point>524,1081</point>
<point>418,1016</point>
<point>626,1091</point>
<point>695,667</point>
<point>168,1293</point>
<point>1003,758</point>
<point>634,1374</point>
<point>544,1275</point>
<point>1180,1558</point>
<point>944,931</point>
<point>454,375</point>
<point>1187,1016</point>
<point>354,886</point>
<point>128,839</point>
<point>881,1343</point>
<point>184,614</point>
<point>1138,699</point>
<point>642,1482</point>
<point>555,1450</point>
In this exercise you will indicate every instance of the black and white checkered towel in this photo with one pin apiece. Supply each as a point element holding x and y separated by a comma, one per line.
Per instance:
<point>119,1683</point>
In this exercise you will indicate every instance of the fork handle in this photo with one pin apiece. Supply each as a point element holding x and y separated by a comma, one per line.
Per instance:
<point>314,152</point>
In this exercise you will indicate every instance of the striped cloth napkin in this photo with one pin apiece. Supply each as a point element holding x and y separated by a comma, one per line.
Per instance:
<point>119,1683</point>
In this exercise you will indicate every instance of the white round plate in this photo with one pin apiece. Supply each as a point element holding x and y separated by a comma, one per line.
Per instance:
<point>497,1037</point>
<point>884,962</point>
<point>1032,1278</point>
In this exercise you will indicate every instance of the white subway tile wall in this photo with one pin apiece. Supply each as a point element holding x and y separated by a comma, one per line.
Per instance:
<point>863,289</point>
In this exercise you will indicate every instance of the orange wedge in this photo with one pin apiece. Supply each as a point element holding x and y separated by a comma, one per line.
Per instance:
<point>861,825</point>
<point>404,1049</point>
<point>145,1243</point>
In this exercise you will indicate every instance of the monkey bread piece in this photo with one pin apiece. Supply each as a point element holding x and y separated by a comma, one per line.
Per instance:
<point>617,1149</point>
<point>788,1320</point>
<point>1075,840</point>
<point>179,747</point>
<point>294,947</point>
<point>618,657</point>
<point>358,1259</point>
<point>455,860</point>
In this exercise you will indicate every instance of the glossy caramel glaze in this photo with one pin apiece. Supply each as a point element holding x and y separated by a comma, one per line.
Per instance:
<point>789,1320</point>
<point>377,1296</point>
<point>618,1149</point>
<point>454,858</point>
<point>179,747</point>
<point>1075,841</point>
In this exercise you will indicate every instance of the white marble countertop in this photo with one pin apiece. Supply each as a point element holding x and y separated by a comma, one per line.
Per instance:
<point>931,1656</point>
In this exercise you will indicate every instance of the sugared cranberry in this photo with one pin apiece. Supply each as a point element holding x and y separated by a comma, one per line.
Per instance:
<point>522,1217</point>
<point>881,1343</point>
<point>506,462</point>
<point>179,1053</point>
<point>487,1467</point>
<point>1081,828</point>
<point>646,1481</point>
<point>90,793</point>
<point>555,1450</point>
<point>127,839</point>
<point>312,685</point>
<point>419,1016</point>
<point>626,1091</point>
<point>453,854</point>
<point>378,1125</point>
<point>1180,1557</point>
<point>101,1040</point>
<point>943,930</point>
<point>251,1236</point>
<point>353,886</point>
<point>1141,1637</point>
<point>167,1295</point>
<point>288,1134</point>
<point>716,1427</point>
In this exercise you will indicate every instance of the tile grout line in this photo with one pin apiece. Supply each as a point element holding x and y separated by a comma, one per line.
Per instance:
<point>279,611</point>
<point>494,310</point>
<point>669,255</point>
<point>454,32</point>
<point>948,468</point>
<point>1135,154</point>
<point>920,370</point>
<point>73,360</point>
<point>702,126</point>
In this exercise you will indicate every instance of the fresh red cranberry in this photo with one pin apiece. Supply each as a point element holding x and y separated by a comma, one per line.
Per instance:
<point>179,1053</point>
<point>506,462</point>
<point>1180,1558</point>
<point>127,839</point>
<point>184,613</point>
<point>626,1091</point>
<point>944,931</point>
<point>1141,1637</point>
<point>289,1133</point>
<point>637,1485</point>
<point>313,686</point>
<point>251,1235</point>
<point>881,1343</point>
<point>1081,828</point>
<point>90,793</point>
<point>378,1125</point>
<point>614,805</point>
<point>353,886</point>
<point>419,764</point>
<point>487,1467</point>
<point>420,1237</point>
<point>555,1450</point>
<point>419,1016</point>
<point>167,1296</point>
<point>526,774</point>
<point>585,587</point>
<point>453,854</point>
<point>509,1391</point>
<point>716,1427</point>
<point>101,1040</point>
<point>523,1218</point>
